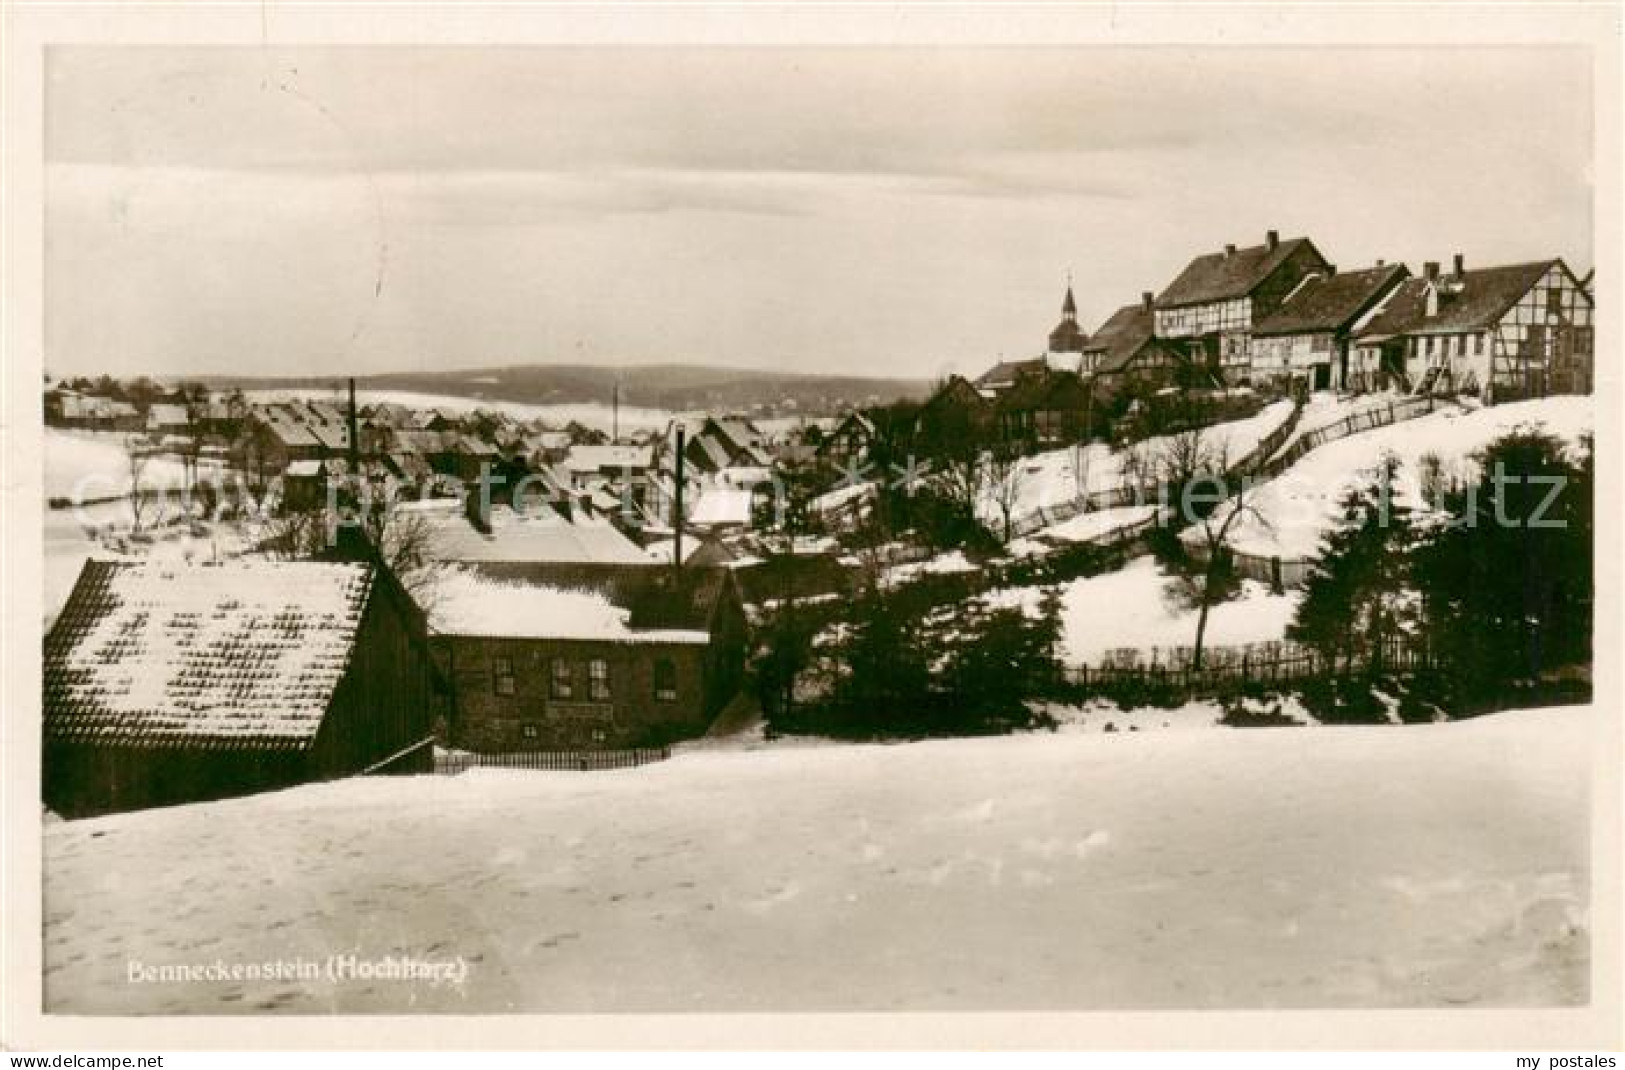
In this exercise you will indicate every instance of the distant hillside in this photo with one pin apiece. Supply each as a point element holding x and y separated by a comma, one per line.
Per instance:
<point>656,386</point>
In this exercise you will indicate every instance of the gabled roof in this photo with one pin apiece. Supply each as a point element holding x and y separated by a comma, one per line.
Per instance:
<point>1402,310</point>
<point>606,609</point>
<point>167,415</point>
<point>1038,392</point>
<point>537,535</point>
<point>608,458</point>
<point>1483,297</point>
<point>1322,304</point>
<point>1122,336</point>
<point>243,655</point>
<point>1222,276</point>
<point>1005,373</point>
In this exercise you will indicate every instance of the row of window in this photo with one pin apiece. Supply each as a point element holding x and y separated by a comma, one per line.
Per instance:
<point>561,679</point>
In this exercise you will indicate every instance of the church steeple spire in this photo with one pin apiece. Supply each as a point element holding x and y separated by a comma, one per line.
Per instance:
<point>1066,337</point>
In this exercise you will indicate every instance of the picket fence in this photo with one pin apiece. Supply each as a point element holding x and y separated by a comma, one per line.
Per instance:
<point>1227,668</point>
<point>578,761</point>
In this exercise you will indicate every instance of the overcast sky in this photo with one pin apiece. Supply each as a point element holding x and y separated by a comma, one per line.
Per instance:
<point>872,211</point>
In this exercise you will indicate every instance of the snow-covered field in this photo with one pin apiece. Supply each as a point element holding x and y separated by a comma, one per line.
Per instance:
<point>94,465</point>
<point>1302,504</point>
<point>1130,608</point>
<point>1435,865</point>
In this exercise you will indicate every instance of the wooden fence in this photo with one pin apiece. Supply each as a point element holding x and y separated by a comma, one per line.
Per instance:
<point>575,761</point>
<point>1229,668</point>
<point>1127,494</point>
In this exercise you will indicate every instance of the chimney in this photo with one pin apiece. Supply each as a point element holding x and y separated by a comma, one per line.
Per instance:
<point>1331,271</point>
<point>1461,265</point>
<point>1229,251</point>
<point>1382,263</point>
<point>1147,299</point>
<point>1430,271</point>
<point>1271,240</point>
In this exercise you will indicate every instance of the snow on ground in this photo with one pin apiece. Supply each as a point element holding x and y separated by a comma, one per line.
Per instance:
<point>1130,608</point>
<point>1240,869</point>
<point>1088,527</point>
<point>1325,408</point>
<point>94,465</point>
<point>1046,480</point>
<point>954,561</point>
<point>1301,505</point>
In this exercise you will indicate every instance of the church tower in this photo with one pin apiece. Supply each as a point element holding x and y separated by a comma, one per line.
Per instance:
<point>1066,337</point>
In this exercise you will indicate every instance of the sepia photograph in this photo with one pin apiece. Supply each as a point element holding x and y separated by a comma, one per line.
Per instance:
<point>581,529</point>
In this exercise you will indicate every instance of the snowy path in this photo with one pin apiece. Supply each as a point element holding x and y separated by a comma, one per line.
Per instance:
<point>1430,865</point>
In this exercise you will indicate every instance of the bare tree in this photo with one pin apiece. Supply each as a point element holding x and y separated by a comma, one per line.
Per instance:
<point>137,452</point>
<point>1002,479</point>
<point>1196,474</point>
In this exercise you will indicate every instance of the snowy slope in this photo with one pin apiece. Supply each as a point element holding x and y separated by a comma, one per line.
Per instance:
<point>1048,479</point>
<point>1301,505</point>
<point>1130,608</point>
<point>1432,865</point>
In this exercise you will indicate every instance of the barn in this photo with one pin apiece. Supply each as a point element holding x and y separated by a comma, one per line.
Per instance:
<point>169,683</point>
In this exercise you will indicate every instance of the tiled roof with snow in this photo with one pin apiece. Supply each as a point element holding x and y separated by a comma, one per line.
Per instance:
<point>537,535</point>
<point>239,655</point>
<point>1224,275</point>
<point>612,458</point>
<point>470,604</point>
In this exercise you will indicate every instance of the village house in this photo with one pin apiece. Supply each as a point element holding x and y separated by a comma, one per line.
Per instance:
<point>167,418</point>
<point>72,409</point>
<point>643,658</point>
<point>1210,309</point>
<point>1043,411</point>
<point>536,542</point>
<point>1308,339</point>
<point>1505,332</point>
<point>1125,354</point>
<point>850,440</point>
<point>956,416</point>
<point>169,683</point>
<point>1005,374</point>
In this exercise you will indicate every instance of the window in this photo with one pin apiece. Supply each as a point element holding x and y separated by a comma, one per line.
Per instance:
<point>559,683</point>
<point>502,675</point>
<point>1428,347</point>
<point>665,680</point>
<point>598,679</point>
<point>528,731</point>
<point>1478,345</point>
<point>1554,301</point>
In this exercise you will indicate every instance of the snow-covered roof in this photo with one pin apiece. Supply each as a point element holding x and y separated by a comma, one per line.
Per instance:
<point>467,603</point>
<point>538,534</point>
<point>722,505</point>
<point>614,458</point>
<point>245,654</point>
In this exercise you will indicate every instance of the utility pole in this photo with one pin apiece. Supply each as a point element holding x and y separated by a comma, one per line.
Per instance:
<point>677,513</point>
